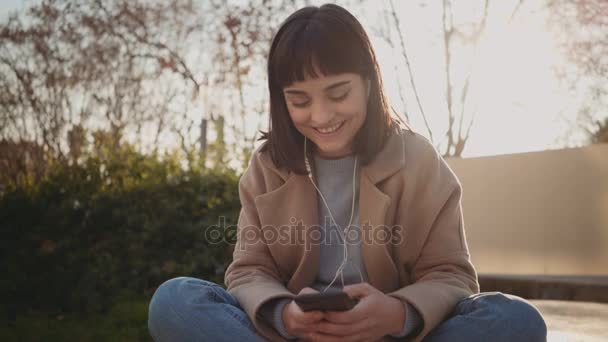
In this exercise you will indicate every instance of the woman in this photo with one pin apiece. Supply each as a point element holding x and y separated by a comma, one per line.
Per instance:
<point>342,194</point>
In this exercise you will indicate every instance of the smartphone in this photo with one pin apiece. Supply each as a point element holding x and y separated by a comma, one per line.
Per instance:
<point>330,300</point>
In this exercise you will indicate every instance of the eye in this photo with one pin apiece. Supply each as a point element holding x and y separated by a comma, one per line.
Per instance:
<point>340,98</point>
<point>300,105</point>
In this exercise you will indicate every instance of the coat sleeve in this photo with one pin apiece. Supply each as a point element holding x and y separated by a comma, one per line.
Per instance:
<point>252,277</point>
<point>443,273</point>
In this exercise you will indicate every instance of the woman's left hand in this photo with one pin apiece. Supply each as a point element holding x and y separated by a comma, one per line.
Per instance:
<point>375,316</point>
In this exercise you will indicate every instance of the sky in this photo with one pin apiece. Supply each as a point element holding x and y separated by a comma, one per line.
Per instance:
<point>520,105</point>
<point>12,5</point>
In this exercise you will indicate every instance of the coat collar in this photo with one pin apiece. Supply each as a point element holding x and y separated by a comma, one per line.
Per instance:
<point>389,160</point>
<point>296,201</point>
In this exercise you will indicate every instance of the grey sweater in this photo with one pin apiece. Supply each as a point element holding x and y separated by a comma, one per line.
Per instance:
<point>334,179</point>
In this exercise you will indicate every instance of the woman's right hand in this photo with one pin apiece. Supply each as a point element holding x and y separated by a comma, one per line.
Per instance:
<point>299,323</point>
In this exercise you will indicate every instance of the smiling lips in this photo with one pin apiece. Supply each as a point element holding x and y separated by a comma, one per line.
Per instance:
<point>331,129</point>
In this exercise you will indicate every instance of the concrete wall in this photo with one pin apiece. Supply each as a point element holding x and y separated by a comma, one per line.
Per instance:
<point>543,213</point>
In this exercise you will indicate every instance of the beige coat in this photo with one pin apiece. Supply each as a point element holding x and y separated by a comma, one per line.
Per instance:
<point>407,189</point>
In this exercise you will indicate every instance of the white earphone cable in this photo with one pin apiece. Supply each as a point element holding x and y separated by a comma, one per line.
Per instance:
<point>345,257</point>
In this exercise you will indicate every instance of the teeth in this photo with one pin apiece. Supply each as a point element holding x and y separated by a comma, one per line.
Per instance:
<point>330,129</point>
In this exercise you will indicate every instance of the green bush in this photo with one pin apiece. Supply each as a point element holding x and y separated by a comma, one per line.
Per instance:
<point>109,226</point>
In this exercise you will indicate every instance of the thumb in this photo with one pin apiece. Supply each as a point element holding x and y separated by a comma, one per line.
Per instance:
<point>307,290</point>
<point>357,290</point>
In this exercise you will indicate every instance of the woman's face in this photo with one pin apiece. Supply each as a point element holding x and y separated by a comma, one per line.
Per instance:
<point>329,111</point>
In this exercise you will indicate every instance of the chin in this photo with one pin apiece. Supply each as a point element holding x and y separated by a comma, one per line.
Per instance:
<point>332,151</point>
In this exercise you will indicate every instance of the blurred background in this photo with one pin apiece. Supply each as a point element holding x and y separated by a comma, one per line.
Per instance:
<point>125,126</point>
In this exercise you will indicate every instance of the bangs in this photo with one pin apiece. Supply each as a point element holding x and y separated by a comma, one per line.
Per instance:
<point>324,44</point>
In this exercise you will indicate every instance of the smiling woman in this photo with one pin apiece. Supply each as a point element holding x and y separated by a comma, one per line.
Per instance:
<point>407,262</point>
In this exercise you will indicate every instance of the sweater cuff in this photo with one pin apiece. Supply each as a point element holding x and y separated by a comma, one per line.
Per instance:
<point>272,312</point>
<point>278,318</point>
<point>412,321</point>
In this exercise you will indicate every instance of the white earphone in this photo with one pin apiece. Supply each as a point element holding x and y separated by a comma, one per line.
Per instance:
<point>345,259</point>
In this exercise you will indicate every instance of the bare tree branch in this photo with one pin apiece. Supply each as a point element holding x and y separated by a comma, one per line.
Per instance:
<point>410,73</point>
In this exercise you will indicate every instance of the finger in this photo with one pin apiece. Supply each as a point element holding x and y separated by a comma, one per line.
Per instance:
<point>356,329</point>
<point>321,337</point>
<point>310,318</point>
<point>367,338</point>
<point>305,317</point>
<point>358,290</point>
<point>306,337</point>
<point>351,316</point>
<point>308,290</point>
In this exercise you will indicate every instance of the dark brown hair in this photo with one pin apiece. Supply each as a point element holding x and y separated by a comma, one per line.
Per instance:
<point>332,39</point>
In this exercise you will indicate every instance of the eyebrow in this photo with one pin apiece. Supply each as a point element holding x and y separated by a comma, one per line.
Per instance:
<point>333,86</point>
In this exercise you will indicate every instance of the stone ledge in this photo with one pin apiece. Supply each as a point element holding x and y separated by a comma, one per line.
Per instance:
<point>567,288</point>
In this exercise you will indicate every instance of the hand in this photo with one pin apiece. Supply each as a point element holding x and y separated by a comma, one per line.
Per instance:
<point>375,316</point>
<point>300,323</point>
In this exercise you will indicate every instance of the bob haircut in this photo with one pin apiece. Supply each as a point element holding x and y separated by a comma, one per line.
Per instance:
<point>332,39</point>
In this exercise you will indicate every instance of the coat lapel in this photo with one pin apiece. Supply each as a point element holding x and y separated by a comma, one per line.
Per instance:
<point>294,205</point>
<point>373,205</point>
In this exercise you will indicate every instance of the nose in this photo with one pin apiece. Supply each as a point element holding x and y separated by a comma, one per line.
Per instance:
<point>321,113</point>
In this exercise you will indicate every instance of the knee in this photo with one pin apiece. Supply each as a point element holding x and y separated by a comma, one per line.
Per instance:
<point>173,294</point>
<point>523,317</point>
<point>170,300</point>
<point>162,302</point>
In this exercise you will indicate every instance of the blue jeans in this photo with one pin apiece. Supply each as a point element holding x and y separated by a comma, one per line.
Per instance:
<point>189,309</point>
